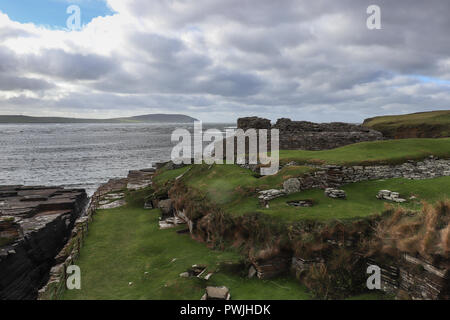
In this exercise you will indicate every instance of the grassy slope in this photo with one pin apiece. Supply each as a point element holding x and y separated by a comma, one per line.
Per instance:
<point>389,152</point>
<point>235,188</point>
<point>124,243</point>
<point>139,246</point>
<point>361,200</point>
<point>435,121</point>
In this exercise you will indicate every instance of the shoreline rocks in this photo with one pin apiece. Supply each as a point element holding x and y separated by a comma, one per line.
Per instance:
<point>36,223</point>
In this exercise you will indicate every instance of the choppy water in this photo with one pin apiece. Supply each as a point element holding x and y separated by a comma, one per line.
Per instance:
<point>81,155</point>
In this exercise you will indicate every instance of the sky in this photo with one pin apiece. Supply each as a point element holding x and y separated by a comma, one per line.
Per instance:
<point>219,60</point>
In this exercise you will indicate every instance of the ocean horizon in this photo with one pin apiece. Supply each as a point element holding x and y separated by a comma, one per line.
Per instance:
<point>83,155</point>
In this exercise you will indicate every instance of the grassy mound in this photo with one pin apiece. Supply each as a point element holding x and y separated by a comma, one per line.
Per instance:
<point>435,124</point>
<point>234,189</point>
<point>376,152</point>
<point>360,202</point>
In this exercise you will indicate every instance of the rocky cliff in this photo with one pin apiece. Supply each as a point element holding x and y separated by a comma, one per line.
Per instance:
<point>35,223</point>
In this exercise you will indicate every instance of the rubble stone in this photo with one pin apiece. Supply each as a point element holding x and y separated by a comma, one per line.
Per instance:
<point>217,293</point>
<point>389,195</point>
<point>291,186</point>
<point>335,193</point>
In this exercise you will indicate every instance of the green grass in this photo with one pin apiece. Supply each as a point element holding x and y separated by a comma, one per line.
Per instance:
<point>433,117</point>
<point>124,243</point>
<point>235,190</point>
<point>426,124</point>
<point>165,175</point>
<point>375,152</point>
<point>361,200</point>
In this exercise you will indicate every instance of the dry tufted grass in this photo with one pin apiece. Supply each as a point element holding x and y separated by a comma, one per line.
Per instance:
<point>426,232</point>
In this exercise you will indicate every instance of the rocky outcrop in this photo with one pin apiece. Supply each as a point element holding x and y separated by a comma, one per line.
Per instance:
<point>138,179</point>
<point>312,136</point>
<point>35,222</point>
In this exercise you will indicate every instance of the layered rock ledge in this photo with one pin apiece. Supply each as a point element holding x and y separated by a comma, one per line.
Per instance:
<point>35,223</point>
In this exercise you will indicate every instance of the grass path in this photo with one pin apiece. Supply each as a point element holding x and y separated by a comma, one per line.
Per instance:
<point>125,243</point>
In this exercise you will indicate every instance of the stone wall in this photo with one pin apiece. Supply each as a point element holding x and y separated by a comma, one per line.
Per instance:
<point>414,278</point>
<point>335,176</point>
<point>35,223</point>
<point>56,284</point>
<point>270,268</point>
<point>312,136</point>
<point>69,254</point>
<point>404,278</point>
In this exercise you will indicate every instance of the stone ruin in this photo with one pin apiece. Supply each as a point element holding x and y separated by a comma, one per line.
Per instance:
<point>306,135</point>
<point>269,268</point>
<point>138,179</point>
<point>216,293</point>
<point>197,270</point>
<point>301,203</point>
<point>335,193</point>
<point>389,195</point>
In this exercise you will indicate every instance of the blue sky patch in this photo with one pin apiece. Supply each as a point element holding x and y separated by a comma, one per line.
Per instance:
<point>52,13</point>
<point>433,80</point>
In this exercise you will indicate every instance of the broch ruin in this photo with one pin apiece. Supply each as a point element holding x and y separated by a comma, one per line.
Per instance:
<point>312,136</point>
<point>42,228</point>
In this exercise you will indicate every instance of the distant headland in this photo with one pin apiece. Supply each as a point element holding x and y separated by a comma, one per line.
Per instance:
<point>148,118</point>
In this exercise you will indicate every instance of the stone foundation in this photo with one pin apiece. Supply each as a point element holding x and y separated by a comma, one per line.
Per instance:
<point>331,176</point>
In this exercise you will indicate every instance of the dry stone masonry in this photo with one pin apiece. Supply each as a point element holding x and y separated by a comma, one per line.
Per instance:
<point>312,136</point>
<point>389,195</point>
<point>107,196</point>
<point>335,193</point>
<point>217,293</point>
<point>332,176</point>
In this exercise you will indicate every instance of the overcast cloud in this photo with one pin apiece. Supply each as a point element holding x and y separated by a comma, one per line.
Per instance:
<point>218,60</point>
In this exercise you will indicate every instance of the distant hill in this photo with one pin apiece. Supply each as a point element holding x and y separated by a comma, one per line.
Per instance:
<point>433,124</point>
<point>168,118</point>
<point>148,118</point>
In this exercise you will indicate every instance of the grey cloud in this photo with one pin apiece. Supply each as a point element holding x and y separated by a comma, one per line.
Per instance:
<point>69,66</point>
<point>9,32</point>
<point>312,60</point>
<point>13,83</point>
